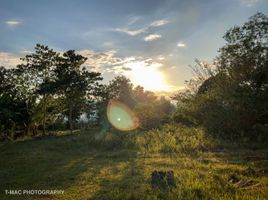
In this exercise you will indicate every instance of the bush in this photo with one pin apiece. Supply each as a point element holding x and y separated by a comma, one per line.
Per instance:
<point>172,139</point>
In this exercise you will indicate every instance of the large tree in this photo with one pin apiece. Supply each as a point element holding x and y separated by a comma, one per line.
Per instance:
<point>244,61</point>
<point>35,76</point>
<point>231,100</point>
<point>75,85</point>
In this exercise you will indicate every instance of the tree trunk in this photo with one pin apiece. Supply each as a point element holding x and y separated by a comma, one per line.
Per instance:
<point>44,116</point>
<point>70,117</point>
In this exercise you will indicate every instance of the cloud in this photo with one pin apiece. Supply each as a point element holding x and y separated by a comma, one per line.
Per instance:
<point>159,23</point>
<point>131,33</point>
<point>12,22</point>
<point>181,44</point>
<point>9,60</point>
<point>133,20</point>
<point>141,30</point>
<point>152,37</point>
<point>249,3</point>
<point>160,57</point>
<point>97,60</point>
<point>124,65</point>
<point>136,68</point>
<point>130,63</point>
<point>126,68</point>
<point>26,52</point>
<point>140,69</point>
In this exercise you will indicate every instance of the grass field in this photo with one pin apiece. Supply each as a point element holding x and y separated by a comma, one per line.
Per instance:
<point>88,170</point>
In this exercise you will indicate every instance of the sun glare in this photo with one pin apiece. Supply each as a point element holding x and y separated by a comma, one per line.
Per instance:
<point>148,77</point>
<point>121,116</point>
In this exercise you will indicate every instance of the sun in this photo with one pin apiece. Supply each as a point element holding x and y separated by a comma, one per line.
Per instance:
<point>148,77</point>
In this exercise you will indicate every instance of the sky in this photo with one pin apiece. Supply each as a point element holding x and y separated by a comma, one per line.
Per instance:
<point>152,42</point>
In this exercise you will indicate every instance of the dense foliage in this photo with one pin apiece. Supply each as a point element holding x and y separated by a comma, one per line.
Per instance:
<point>54,91</point>
<point>229,97</point>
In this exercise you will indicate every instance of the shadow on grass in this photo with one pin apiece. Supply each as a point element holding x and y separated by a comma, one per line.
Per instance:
<point>129,184</point>
<point>85,170</point>
<point>135,184</point>
<point>62,163</point>
<point>245,154</point>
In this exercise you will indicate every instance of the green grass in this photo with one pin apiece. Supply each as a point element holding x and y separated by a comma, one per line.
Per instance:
<point>120,167</point>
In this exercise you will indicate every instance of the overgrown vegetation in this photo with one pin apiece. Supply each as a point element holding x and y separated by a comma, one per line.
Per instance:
<point>120,166</point>
<point>173,139</point>
<point>229,96</point>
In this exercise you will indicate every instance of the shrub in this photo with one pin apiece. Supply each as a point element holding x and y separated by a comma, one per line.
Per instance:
<point>172,139</point>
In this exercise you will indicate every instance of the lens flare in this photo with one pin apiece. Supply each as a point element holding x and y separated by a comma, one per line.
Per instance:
<point>121,116</point>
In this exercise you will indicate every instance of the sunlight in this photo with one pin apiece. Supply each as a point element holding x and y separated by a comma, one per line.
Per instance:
<point>148,77</point>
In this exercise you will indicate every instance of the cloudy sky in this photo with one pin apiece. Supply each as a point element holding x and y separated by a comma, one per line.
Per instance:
<point>152,42</point>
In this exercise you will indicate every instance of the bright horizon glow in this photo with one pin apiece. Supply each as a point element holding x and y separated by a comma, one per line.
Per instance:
<point>147,76</point>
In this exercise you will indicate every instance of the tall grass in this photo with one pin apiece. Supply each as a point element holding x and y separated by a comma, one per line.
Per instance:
<point>170,138</point>
<point>173,139</point>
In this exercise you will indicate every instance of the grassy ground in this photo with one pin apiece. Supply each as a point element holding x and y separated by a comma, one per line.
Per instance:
<point>86,170</point>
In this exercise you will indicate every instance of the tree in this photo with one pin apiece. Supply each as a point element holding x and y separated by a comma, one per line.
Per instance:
<point>75,85</point>
<point>154,113</point>
<point>244,60</point>
<point>37,74</point>
<point>151,110</point>
<point>142,96</point>
<point>121,89</point>
<point>13,109</point>
<point>5,84</point>
<point>230,99</point>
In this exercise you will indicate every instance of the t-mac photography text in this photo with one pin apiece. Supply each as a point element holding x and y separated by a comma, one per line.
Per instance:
<point>33,192</point>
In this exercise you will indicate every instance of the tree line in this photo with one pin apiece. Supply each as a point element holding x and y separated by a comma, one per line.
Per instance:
<point>50,91</point>
<point>228,97</point>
